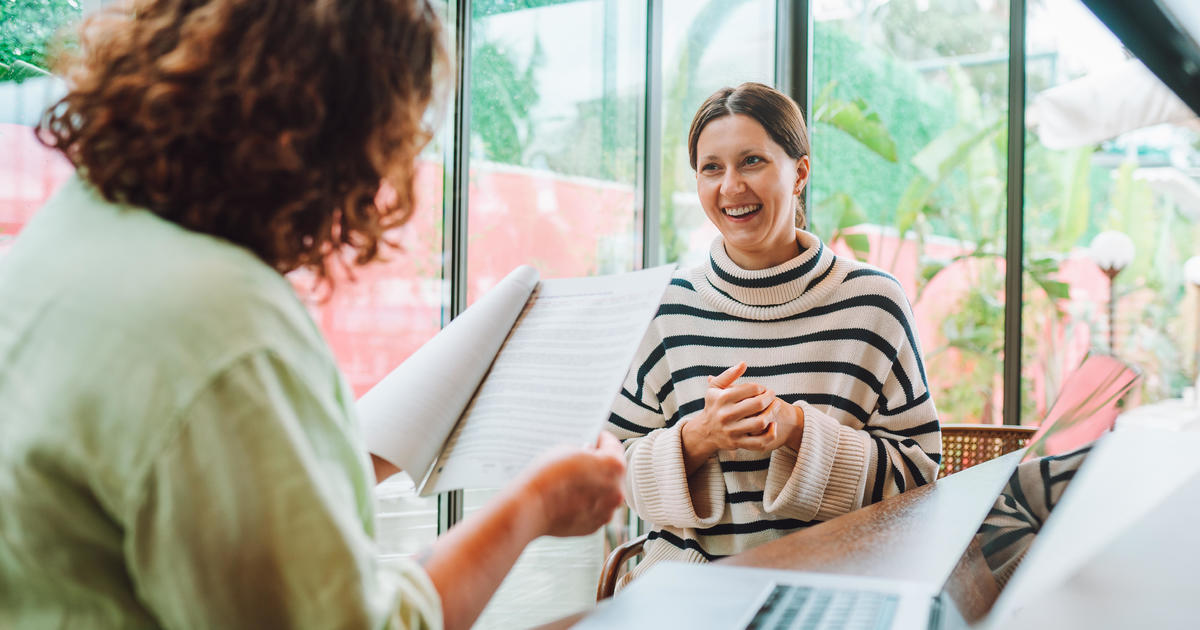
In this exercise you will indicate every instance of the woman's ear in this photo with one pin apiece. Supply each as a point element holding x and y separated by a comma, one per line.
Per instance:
<point>802,168</point>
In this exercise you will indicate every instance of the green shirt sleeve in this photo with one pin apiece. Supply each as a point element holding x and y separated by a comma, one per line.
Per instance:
<point>250,515</point>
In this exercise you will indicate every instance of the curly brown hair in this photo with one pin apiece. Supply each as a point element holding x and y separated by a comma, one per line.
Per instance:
<point>270,123</point>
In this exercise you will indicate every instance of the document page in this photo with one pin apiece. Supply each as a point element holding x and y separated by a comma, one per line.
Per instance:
<point>555,378</point>
<point>407,417</point>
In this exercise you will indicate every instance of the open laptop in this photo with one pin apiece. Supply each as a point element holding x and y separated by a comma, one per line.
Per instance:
<point>675,595</point>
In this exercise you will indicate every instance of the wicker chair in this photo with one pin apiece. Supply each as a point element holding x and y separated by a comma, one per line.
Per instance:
<point>964,445</point>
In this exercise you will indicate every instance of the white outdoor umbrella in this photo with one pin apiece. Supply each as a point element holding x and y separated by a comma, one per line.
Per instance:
<point>1104,105</point>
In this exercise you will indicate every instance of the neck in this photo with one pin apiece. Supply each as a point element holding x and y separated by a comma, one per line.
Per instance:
<point>773,257</point>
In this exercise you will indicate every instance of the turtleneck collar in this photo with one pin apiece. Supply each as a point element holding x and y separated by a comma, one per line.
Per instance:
<point>774,292</point>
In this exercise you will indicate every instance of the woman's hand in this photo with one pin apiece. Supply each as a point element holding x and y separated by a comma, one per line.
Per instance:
<point>785,426</point>
<point>569,492</point>
<point>732,414</point>
<point>575,491</point>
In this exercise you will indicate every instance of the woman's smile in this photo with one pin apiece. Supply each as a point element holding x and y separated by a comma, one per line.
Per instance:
<point>743,212</point>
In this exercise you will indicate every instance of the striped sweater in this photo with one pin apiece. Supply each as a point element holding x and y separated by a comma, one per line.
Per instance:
<point>829,334</point>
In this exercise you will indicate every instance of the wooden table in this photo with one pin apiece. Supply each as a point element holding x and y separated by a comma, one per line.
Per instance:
<point>923,535</point>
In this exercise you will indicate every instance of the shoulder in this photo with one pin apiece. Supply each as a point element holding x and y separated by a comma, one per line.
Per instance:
<point>865,279</point>
<point>680,291</point>
<point>173,295</point>
<point>213,291</point>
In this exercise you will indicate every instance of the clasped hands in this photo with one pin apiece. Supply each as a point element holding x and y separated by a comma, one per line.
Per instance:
<point>739,416</point>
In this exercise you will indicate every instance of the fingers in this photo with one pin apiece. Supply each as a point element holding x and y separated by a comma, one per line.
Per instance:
<point>608,443</point>
<point>610,456</point>
<point>726,378</point>
<point>753,405</point>
<point>741,391</point>
<point>766,441</point>
<point>754,425</point>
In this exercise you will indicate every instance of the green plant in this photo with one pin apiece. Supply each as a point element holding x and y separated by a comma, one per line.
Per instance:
<point>502,97</point>
<point>27,34</point>
<point>956,191</point>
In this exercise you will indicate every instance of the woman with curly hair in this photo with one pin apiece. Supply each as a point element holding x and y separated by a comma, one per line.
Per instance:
<point>177,447</point>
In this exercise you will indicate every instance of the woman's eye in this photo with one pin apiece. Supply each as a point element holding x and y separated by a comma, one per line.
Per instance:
<point>709,167</point>
<point>753,159</point>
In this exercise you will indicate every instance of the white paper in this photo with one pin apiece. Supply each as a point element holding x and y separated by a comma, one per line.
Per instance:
<point>554,381</point>
<point>408,415</point>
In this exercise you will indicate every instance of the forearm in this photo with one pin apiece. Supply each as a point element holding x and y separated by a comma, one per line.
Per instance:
<point>468,563</point>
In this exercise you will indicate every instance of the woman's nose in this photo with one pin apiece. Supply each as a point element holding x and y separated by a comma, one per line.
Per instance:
<point>732,183</point>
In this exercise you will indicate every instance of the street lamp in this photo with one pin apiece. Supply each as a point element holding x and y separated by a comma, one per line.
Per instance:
<point>1112,251</point>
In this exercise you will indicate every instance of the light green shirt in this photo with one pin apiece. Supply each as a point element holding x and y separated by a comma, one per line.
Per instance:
<point>177,447</point>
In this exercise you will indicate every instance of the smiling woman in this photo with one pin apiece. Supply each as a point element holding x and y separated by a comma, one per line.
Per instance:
<point>833,412</point>
<point>753,161</point>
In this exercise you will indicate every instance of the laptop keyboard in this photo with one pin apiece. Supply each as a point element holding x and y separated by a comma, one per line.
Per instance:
<point>791,607</point>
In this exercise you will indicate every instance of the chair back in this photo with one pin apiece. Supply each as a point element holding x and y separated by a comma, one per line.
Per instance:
<point>615,565</point>
<point>965,445</point>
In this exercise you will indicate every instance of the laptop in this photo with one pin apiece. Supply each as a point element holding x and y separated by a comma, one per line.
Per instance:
<point>678,595</point>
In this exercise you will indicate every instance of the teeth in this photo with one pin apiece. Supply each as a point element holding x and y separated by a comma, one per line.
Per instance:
<point>740,210</point>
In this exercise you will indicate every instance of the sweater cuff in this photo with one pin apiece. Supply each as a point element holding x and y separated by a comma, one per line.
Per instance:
<point>661,491</point>
<point>824,479</point>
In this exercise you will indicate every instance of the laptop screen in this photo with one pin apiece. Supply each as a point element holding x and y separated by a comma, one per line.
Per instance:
<point>1087,407</point>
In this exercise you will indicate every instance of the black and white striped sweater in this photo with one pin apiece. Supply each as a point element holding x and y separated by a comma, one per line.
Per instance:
<point>829,334</point>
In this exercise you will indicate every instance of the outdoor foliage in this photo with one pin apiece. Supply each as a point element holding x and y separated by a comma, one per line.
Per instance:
<point>502,96</point>
<point>27,30</point>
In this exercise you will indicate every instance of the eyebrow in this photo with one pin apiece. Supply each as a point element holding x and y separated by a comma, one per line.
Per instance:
<point>744,153</point>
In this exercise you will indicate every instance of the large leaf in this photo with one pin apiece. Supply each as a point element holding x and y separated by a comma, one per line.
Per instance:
<point>951,149</point>
<point>856,119</point>
<point>1073,213</point>
<point>912,202</point>
<point>838,212</point>
<point>859,243</point>
<point>1056,289</point>
<point>1132,200</point>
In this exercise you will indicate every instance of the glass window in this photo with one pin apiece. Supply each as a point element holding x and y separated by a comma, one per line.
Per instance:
<point>29,172</point>
<point>556,112</point>
<point>1111,150</point>
<point>706,46</point>
<point>557,104</point>
<point>909,169</point>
